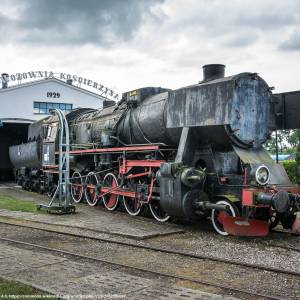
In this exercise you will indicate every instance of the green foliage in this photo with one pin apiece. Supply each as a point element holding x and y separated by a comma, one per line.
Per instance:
<point>8,287</point>
<point>287,141</point>
<point>12,203</point>
<point>291,168</point>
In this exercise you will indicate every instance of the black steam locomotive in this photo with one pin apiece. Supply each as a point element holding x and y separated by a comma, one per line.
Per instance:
<point>191,153</point>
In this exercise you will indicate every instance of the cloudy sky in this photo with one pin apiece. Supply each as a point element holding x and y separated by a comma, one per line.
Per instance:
<point>126,44</point>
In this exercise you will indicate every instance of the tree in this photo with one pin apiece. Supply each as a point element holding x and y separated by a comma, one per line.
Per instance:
<point>287,140</point>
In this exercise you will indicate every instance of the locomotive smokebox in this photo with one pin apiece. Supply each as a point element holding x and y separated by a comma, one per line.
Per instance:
<point>213,71</point>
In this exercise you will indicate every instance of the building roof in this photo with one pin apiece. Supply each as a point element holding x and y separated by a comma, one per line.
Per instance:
<point>52,79</point>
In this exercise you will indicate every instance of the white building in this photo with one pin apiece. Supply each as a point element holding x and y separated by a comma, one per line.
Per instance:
<point>23,103</point>
<point>31,101</point>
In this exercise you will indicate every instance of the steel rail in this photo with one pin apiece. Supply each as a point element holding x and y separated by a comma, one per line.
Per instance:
<point>284,247</point>
<point>157,273</point>
<point>157,249</point>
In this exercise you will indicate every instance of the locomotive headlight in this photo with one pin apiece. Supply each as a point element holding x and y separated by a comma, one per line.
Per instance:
<point>262,175</point>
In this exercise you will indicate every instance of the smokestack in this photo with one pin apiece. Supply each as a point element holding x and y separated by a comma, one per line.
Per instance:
<point>213,71</point>
<point>4,79</point>
<point>69,81</point>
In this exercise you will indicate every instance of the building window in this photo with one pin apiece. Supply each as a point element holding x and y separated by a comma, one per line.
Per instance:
<point>45,107</point>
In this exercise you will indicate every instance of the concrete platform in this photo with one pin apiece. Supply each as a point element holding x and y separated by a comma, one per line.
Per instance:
<point>90,218</point>
<point>62,276</point>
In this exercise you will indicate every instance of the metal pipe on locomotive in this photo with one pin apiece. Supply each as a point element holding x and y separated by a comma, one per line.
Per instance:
<point>191,153</point>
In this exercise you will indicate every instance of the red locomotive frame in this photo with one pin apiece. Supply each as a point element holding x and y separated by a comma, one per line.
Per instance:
<point>125,166</point>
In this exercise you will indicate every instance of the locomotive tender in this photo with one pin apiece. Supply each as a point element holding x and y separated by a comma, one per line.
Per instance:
<point>191,153</point>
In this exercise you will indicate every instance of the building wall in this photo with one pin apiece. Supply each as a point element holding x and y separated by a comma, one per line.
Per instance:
<point>18,102</point>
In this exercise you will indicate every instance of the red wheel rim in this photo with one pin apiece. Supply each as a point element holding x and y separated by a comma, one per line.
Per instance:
<point>76,187</point>
<point>90,191</point>
<point>110,200</point>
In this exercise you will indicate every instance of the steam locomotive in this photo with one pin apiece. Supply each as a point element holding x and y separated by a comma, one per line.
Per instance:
<point>191,153</point>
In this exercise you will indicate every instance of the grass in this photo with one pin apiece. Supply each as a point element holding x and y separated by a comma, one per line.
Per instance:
<point>12,203</point>
<point>9,288</point>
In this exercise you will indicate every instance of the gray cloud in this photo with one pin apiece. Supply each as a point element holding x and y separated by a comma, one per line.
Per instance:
<point>100,22</point>
<point>243,39</point>
<point>232,24</point>
<point>292,43</point>
<point>152,42</point>
<point>239,23</point>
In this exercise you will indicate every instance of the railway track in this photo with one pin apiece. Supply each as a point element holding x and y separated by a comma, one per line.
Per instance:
<point>224,287</point>
<point>170,251</point>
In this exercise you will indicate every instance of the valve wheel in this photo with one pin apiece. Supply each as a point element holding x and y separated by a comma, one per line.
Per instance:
<point>216,216</point>
<point>110,200</point>
<point>91,182</point>
<point>76,187</point>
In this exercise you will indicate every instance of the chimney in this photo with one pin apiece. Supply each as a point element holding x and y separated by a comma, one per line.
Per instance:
<point>213,71</point>
<point>69,81</point>
<point>4,79</point>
